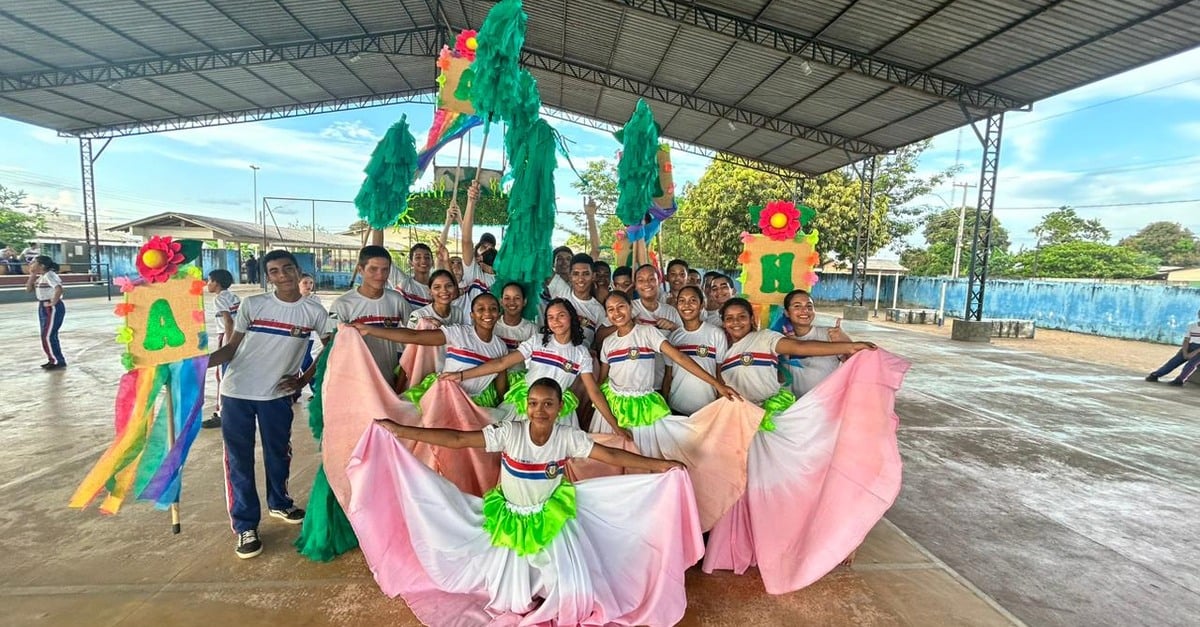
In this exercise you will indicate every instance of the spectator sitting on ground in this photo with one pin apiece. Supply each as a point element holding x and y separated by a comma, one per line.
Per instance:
<point>1188,355</point>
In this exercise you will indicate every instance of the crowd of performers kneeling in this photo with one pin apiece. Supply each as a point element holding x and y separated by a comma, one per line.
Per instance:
<point>563,472</point>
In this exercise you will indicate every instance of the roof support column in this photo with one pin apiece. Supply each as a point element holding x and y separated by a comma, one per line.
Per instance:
<point>981,240</point>
<point>91,228</point>
<point>862,243</point>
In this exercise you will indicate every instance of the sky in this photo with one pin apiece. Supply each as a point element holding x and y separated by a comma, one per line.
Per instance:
<point>1122,150</point>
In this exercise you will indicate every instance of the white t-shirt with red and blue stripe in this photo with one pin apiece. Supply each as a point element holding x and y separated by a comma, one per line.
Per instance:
<point>416,293</point>
<point>751,365</point>
<point>276,337</point>
<point>630,359</point>
<point>389,311</point>
<point>530,473</point>
<point>465,350</point>
<point>704,346</point>
<point>514,335</point>
<point>226,302</point>
<point>561,362</point>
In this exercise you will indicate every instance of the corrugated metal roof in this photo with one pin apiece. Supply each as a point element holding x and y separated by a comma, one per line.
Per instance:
<point>818,75</point>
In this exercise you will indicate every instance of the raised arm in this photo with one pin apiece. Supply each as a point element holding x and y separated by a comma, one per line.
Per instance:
<point>422,337</point>
<point>618,457</point>
<point>589,208</point>
<point>817,348</point>
<point>685,362</point>
<point>449,438</point>
<point>468,224</point>
<point>493,366</point>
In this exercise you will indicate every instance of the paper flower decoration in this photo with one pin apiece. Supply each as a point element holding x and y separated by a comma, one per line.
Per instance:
<point>779,220</point>
<point>159,259</point>
<point>465,44</point>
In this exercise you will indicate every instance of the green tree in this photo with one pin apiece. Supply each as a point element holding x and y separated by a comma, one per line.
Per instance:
<point>1169,242</point>
<point>20,222</point>
<point>1084,260</point>
<point>713,212</point>
<point>1063,225</point>
<point>941,232</point>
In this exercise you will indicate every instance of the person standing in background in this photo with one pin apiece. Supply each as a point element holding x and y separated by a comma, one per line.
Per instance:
<point>44,282</point>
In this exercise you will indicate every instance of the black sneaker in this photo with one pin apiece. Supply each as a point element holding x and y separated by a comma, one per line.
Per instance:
<point>57,366</point>
<point>1152,378</point>
<point>211,423</point>
<point>1175,382</point>
<point>291,515</point>
<point>248,544</point>
<point>47,364</point>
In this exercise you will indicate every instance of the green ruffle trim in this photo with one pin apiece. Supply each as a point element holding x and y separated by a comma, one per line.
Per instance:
<point>487,398</point>
<point>326,532</point>
<point>518,394</point>
<point>636,411</point>
<point>781,401</point>
<point>527,533</point>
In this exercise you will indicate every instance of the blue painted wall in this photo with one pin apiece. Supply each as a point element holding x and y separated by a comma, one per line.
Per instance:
<point>1146,310</point>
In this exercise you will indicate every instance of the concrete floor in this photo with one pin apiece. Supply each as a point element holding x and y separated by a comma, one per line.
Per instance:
<point>1066,492</point>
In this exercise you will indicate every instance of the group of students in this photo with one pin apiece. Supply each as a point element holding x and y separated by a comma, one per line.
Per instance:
<point>656,376</point>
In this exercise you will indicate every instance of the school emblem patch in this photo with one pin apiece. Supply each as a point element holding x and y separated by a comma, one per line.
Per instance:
<point>297,332</point>
<point>633,353</point>
<point>567,366</point>
<point>552,470</point>
<point>702,351</point>
<point>747,359</point>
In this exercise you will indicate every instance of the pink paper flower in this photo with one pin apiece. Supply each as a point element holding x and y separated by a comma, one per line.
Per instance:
<point>779,220</point>
<point>159,259</point>
<point>465,44</point>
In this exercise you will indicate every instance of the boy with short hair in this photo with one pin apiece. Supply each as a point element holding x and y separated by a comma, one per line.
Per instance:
<point>579,293</point>
<point>414,287</point>
<point>372,304</point>
<point>264,351</point>
<point>226,304</point>
<point>677,277</point>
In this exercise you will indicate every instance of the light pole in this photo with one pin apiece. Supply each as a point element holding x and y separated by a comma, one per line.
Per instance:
<point>262,275</point>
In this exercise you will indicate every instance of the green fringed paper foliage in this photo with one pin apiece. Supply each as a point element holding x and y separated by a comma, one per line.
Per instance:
<point>637,173</point>
<point>495,73</point>
<point>524,113</point>
<point>383,198</point>
<point>326,532</point>
<point>524,256</point>
<point>316,411</point>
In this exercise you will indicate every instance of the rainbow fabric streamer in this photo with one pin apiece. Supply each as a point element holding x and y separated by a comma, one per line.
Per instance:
<point>160,398</point>
<point>454,115</point>
<point>447,126</point>
<point>141,462</point>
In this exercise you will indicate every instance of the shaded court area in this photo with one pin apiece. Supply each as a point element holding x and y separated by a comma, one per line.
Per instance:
<point>1062,490</point>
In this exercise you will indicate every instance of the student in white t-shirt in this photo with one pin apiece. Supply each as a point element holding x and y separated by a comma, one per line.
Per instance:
<point>270,335</point>
<point>579,293</point>
<point>720,290</point>
<point>415,286</point>
<point>1187,356</point>
<point>44,282</point>
<point>798,322</point>
<point>372,304</point>
<point>677,277</point>
<point>226,307</point>
<point>478,273</point>
<point>445,307</point>
<point>308,289</point>
<point>702,343</point>
<point>465,347</point>
<point>649,309</point>
<point>511,327</point>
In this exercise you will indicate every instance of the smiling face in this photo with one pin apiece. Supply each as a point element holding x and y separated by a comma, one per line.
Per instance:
<point>617,310</point>
<point>421,260</point>
<point>602,276</point>
<point>558,320</point>
<point>542,405</point>
<point>581,279</point>
<point>375,272</point>
<point>738,321</point>
<point>284,275</point>
<point>677,277</point>
<point>719,291</point>
<point>689,305</point>
<point>485,311</point>
<point>444,289</point>
<point>801,312</point>
<point>512,301</point>
<point>646,282</point>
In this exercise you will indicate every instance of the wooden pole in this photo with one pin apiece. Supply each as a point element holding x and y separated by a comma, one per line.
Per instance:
<point>170,406</point>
